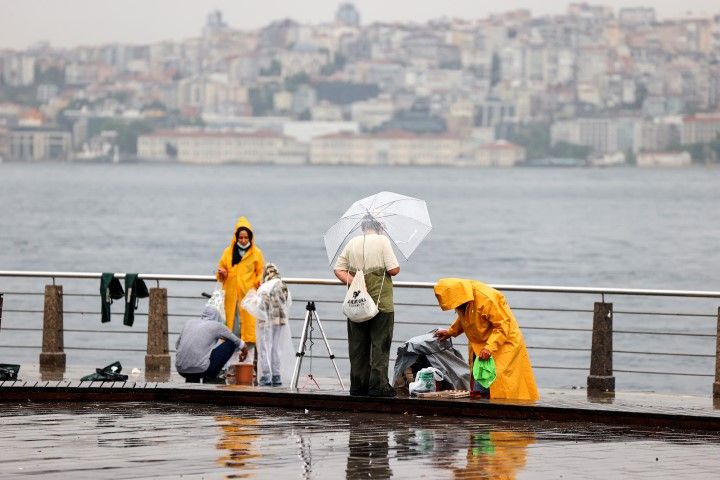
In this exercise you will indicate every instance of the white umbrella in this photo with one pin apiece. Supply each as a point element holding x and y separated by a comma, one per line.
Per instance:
<point>405,221</point>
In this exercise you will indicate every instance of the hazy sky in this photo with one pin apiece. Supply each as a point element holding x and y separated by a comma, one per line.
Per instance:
<point>89,22</point>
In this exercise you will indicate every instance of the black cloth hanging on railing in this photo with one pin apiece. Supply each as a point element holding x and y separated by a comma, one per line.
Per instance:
<point>135,288</point>
<point>110,289</point>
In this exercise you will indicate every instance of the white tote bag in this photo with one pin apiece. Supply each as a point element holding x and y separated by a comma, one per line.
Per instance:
<point>358,305</point>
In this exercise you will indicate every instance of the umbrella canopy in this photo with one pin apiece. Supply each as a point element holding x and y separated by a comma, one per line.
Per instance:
<point>405,221</point>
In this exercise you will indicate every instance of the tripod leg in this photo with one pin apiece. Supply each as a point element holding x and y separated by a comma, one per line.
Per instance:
<point>301,351</point>
<point>332,357</point>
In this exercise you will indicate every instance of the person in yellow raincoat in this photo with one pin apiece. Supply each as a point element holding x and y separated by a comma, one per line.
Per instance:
<point>492,331</point>
<point>240,269</point>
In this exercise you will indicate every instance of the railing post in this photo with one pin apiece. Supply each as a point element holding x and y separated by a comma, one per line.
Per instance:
<point>716,385</point>
<point>601,377</point>
<point>157,360</point>
<point>52,357</point>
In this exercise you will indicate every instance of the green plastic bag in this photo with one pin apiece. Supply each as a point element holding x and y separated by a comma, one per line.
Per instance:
<point>484,371</point>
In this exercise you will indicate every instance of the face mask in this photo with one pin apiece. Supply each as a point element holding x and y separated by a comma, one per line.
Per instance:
<point>243,247</point>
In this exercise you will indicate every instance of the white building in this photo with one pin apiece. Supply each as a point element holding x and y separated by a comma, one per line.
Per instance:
<point>496,154</point>
<point>387,148</point>
<point>19,70</point>
<point>603,135</point>
<point>664,159</point>
<point>700,129</point>
<point>30,144</point>
<point>221,147</point>
<point>373,113</point>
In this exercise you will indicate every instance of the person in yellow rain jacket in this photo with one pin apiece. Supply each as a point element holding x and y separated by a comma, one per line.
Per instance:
<point>240,269</point>
<point>492,331</point>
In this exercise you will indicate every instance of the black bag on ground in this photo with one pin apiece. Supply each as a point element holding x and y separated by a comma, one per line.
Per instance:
<point>111,373</point>
<point>9,371</point>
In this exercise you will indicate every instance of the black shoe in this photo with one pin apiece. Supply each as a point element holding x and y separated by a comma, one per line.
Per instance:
<point>214,380</point>
<point>358,393</point>
<point>389,392</point>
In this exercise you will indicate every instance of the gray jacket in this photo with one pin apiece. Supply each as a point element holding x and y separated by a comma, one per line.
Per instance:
<point>197,340</point>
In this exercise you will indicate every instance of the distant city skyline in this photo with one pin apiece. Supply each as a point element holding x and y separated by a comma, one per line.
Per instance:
<point>73,23</point>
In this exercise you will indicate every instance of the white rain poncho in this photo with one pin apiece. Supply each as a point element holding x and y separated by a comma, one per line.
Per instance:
<point>270,305</point>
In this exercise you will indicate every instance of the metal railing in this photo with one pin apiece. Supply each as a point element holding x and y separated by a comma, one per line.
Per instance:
<point>562,335</point>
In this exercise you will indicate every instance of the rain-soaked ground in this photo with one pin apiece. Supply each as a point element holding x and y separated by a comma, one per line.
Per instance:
<point>131,440</point>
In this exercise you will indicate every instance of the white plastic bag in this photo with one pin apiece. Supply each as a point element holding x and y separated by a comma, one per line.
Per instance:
<point>217,301</point>
<point>252,303</point>
<point>425,380</point>
<point>358,305</point>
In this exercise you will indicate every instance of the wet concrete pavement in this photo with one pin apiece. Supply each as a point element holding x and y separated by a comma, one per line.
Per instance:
<point>172,440</point>
<point>128,440</point>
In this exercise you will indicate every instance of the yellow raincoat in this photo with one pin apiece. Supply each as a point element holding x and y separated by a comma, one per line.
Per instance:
<point>489,323</point>
<point>241,277</point>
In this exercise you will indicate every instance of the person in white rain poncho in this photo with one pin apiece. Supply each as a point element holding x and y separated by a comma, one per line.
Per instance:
<point>271,306</point>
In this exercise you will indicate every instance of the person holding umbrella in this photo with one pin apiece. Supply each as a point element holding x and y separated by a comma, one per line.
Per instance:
<point>366,238</point>
<point>369,342</point>
<point>492,331</point>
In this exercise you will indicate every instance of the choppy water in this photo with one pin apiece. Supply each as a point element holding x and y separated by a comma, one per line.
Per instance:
<point>115,441</point>
<point>620,227</point>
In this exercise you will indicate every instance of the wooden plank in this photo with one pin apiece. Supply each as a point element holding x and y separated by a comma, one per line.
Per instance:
<point>444,394</point>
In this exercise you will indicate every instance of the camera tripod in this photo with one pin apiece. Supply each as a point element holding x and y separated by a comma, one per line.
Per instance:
<point>310,316</point>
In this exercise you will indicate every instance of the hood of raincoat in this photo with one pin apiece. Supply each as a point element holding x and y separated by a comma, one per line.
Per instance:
<point>453,292</point>
<point>241,222</point>
<point>210,313</point>
<point>270,272</point>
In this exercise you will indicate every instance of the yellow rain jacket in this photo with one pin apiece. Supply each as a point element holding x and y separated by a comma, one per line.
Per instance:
<point>241,277</point>
<point>489,323</point>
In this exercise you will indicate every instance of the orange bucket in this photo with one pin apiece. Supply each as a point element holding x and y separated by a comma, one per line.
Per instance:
<point>244,373</point>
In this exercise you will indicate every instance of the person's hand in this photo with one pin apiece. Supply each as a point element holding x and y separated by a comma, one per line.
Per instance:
<point>485,354</point>
<point>243,353</point>
<point>222,273</point>
<point>442,334</point>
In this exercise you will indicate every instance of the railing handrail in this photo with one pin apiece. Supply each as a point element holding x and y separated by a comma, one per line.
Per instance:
<point>399,284</point>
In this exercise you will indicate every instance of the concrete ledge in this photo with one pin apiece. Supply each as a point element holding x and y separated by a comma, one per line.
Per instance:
<point>558,409</point>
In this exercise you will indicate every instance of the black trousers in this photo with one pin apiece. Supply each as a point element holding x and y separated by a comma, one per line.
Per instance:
<point>369,350</point>
<point>218,358</point>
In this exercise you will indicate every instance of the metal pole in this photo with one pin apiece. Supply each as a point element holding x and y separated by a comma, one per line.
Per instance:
<point>716,385</point>
<point>601,379</point>
<point>332,357</point>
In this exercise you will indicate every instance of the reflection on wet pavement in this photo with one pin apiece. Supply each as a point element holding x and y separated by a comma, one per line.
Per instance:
<point>168,440</point>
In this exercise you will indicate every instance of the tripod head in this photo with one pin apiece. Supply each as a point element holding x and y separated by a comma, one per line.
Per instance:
<point>310,307</point>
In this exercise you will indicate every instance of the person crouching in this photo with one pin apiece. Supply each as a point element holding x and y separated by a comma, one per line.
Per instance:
<point>199,356</point>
